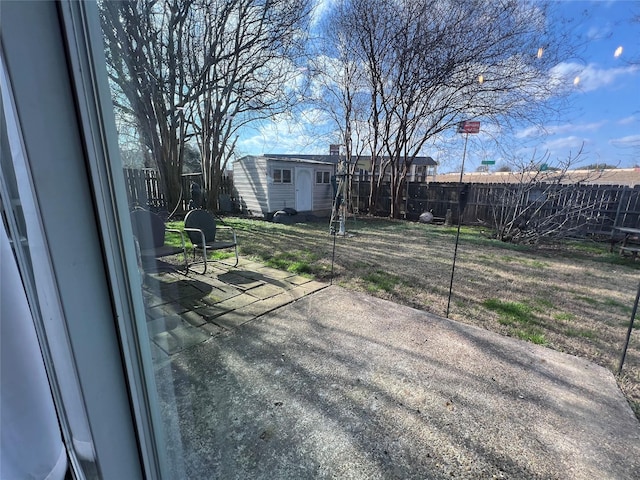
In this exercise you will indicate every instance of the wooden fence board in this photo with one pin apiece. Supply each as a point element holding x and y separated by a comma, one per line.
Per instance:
<point>144,189</point>
<point>596,209</point>
<point>591,209</point>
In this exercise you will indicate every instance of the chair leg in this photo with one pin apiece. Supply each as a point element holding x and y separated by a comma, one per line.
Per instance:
<point>204,257</point>
<point>205,261</point>
<point>237,259</point>
<point>235,264</point>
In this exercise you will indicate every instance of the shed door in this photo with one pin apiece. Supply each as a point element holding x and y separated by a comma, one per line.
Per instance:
<point>304,189</point>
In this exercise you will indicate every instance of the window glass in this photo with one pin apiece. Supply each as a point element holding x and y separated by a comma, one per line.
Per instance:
<point>323,177</point>
<point>455,83</point>
<point>281,175</point>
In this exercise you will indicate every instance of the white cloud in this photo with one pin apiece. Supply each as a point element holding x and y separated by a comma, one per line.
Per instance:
<point>628,120</point>
<point>591,77</point>
<point>530,132</point>
<point>628,141</point>
<point>598,33</point>
<point>537,131</point>
<point>319,9</point>
<point>307,132</point>
<point>572,143</point>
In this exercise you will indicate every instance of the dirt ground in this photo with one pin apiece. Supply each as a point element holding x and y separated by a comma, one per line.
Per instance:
<point>575,298</point>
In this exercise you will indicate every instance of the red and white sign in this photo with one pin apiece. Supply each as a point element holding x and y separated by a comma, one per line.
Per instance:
<point>469,127</point>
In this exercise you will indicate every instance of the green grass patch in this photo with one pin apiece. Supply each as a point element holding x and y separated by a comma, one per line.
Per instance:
<point>380,280</point>
<point>531,335</point>
<point>623,307</point>
<point>544,303</point>
<point>510,312</point>
<point>588,247</point>
<point>616,259</point>
<point>589,300</point>
<point>564,317</point>
<point>579,332</point>
<point>536,264</point>
<point>220,255</point>
<point>524,261</point>
<point>295,261</point>
<point>518,316</point>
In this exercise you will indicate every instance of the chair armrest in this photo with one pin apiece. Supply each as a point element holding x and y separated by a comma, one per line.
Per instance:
<point>226,227</point>
<point>175,230</point>
<point>197,230</point>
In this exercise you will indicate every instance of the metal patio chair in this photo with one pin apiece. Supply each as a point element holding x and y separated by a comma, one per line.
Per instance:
<point>149,231</point>
<point>201,229</point>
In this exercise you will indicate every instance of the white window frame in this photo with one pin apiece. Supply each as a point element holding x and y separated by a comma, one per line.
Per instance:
<point>63,104</point>
<point>279,176</point>
<point>325,177</point>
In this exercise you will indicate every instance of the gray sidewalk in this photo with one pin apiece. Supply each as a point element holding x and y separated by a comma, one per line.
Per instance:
<point>343,385</point>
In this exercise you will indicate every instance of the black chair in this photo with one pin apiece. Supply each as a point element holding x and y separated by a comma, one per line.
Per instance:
<point>149,231</point>
<point>201,229</point>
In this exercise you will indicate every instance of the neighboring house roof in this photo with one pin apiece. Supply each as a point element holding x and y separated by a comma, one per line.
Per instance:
<point>618,176</point>
<point>334,158</point>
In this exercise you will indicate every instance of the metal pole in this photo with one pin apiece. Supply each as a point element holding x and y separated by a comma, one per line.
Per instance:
<point>626,343</point>
<point>455,251</point>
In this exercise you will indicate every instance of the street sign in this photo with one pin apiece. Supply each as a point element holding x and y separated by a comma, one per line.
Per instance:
<point>469,127</point>
<point>488,162</point>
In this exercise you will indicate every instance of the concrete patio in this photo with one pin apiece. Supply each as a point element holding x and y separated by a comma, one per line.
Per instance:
<point>185,310</point>
<point>264,374</point>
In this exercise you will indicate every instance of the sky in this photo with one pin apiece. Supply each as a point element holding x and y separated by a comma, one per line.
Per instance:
<point>602,116</point>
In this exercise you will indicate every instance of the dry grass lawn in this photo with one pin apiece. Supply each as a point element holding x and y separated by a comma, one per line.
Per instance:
<point>576,297</point>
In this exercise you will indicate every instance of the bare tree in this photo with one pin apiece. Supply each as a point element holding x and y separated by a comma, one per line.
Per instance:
<point>333,63</point>
<point>543,200</point>
<point>431,63</point>
<point>144,47</point>
<point>243,54</point>
<point>200,68</point>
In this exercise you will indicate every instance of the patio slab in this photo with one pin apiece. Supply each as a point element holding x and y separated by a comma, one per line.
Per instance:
<point>217,302</point>
<point>342,385</point>
<point>265,291</point>
<point>181,337</point>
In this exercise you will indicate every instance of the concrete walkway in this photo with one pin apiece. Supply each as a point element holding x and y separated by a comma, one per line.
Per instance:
<point>343,385</point>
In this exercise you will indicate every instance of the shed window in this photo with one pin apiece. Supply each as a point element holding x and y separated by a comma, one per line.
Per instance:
<point>323,177</point>
<point>281,175</point>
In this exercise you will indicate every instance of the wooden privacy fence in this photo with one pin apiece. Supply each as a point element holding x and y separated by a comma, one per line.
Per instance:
<point>594,209</point>
<point>591,209</point>
<point>144,189</point>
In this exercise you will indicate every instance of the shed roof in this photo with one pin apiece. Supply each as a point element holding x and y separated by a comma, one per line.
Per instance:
<point>333,159</point>
<point>313,159</point>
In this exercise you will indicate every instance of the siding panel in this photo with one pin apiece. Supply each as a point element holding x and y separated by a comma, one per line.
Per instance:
<point>281,195</point>
<point>250,180</point>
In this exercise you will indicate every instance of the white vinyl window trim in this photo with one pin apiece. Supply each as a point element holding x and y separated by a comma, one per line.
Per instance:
<point>282,175</point>
<point>61,106</point>
<point>32,255</point>
<point>30,437</point>
<point>84,40</point>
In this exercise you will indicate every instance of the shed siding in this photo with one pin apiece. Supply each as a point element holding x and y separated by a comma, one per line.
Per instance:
<point>251,183</point>
<point>322,192</point>
<point>281,195</point>
<point>260,196</point>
